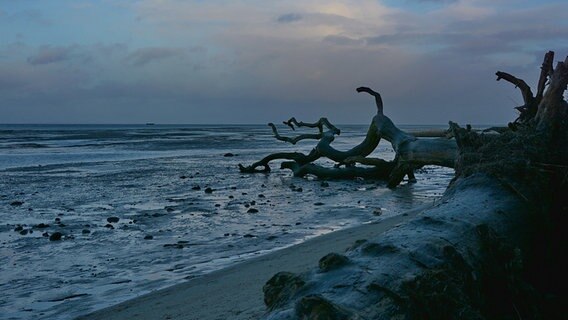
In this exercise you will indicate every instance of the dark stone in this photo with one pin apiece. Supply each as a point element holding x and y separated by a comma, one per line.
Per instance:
<point>377,249</point>
<point>332,261</point>
<point>228,154</point>
<point>248,235</point>
<point>183,177</point>
<point>110,226</point>
<point>324,184</point>
<point>261,196</point>
<point>170,209</point>
<point>252,210</point>
<point>24,232</point>
<point>45,234</point>
<point>208,190</point>
<point>252,203</point>
<point>299,189</point>
<point>226,234</point>
<point>56,236</point>
<point>318,204</point>
<point>196,188</point>
<point>113,219</point>
<point>317,307</point>
<point>41,226</point>
<point>18,228</point>
<point>217,205</point>
<point>148,237</point>
<point>280,288</point>
<point>378,212</point>
<point>16,203</point>
<point>231,197</point>
<point>86,231</point>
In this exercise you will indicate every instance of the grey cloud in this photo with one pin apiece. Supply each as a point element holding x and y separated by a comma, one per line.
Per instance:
<point>28,16</point>
<point>47,55</point>
<point>144,56</point>
<point>289,17</point>
<point>342,40</point>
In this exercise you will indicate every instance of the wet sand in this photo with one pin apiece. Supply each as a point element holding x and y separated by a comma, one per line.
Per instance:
<point>236,292</point>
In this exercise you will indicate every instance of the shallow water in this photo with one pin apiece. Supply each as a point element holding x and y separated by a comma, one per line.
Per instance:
<point>72,178</point>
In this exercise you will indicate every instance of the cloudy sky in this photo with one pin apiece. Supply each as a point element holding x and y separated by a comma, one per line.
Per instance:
<point>252,61</point>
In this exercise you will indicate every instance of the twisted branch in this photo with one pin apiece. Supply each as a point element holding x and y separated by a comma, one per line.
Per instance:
<point>319,124</point>
<point>295,139</point>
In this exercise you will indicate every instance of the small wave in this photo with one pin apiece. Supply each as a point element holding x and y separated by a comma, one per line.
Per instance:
<point>24,146</point>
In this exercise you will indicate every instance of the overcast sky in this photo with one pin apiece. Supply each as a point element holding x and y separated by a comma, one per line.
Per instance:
<point>253,61</point>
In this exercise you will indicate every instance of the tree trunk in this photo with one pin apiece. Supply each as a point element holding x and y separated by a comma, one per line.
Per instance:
<point>411,153</point>
<point>490,248</point>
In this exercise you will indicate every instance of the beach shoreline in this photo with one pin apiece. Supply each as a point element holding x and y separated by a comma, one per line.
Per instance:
<point>236,291</point>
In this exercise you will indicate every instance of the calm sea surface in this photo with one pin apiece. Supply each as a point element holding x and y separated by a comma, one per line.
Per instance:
<point>72,178</point>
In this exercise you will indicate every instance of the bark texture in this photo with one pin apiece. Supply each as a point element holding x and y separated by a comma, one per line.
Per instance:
<point>490,248</point>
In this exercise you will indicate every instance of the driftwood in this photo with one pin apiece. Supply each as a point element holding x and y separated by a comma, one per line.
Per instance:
<point>490,248</point>
<point>411,152</point>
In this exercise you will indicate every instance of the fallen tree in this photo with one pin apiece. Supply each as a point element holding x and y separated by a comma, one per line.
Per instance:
<point>411,152</point>
<point>490,248</point>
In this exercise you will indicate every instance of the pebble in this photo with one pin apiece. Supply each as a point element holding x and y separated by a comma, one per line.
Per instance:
<point>318,204</point>
<point>261,196</point>
<point>252,210</point>
<point>208,190</point>
<point>196,188</point>
<point>109,226</point>
<point>324,184</point>
<point>248,235</point>
<point>378,212</point>
<point>16,203</point>
<point>113,219</point>
<point>228,154</point>
<point>41,226</point>
<point>183,177</point>
<point>85,231</point>
<point>56,236</point>
<point>24,232</point>
<point>18,228</point>
<point>148,237</point>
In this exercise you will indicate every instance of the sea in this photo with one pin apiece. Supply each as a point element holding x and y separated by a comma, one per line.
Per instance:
<point>143,207</point>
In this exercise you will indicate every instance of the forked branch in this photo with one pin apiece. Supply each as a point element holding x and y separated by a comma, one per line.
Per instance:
<point>294,140</point>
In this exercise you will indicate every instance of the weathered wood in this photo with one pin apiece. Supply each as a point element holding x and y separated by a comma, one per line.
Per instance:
<point>411,152</point>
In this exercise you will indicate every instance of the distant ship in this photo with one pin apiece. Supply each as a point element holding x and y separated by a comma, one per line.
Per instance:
<point>150,123</point>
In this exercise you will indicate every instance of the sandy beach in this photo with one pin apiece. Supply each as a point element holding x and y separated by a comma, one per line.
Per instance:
<point>236,292</point>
